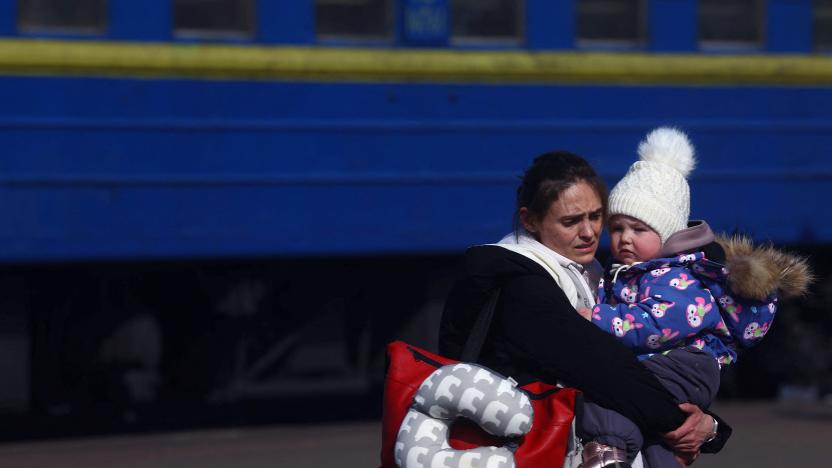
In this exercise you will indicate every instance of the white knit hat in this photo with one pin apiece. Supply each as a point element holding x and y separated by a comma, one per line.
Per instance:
<point>655,190</point>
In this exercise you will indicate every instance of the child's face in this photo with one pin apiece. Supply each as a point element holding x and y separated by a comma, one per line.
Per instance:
<point>632,240</point>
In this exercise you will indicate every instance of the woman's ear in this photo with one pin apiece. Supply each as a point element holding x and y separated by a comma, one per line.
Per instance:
<point>527,220</point>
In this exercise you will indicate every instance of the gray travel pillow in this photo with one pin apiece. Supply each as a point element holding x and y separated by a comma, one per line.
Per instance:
<point>462,390</point>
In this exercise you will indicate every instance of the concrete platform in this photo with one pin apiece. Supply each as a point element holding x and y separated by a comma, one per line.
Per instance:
<point>767,434</point>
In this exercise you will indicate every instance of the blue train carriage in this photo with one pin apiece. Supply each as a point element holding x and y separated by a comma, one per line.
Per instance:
<point>305,131</point>
<point>195,129</point>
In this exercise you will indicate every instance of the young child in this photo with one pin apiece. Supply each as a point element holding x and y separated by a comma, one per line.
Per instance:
<point>682,302</point>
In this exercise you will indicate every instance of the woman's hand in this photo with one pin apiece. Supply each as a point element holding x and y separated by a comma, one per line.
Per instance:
<point>686,440</point>
<point>585,313</point>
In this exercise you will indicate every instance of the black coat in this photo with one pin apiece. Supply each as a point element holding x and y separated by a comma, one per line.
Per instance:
<point>537,335</point>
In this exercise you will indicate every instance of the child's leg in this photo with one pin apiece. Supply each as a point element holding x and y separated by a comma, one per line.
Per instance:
<point>689,374</point>
<point>610,428</point>
<point>657,455</point>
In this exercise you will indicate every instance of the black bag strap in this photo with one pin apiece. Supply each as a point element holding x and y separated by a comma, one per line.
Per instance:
<point>476,339</point>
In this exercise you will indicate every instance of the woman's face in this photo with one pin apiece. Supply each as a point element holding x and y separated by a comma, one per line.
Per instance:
<point>572,225</point>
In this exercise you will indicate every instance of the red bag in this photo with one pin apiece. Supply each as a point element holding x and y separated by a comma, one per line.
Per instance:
<point>543,447</point>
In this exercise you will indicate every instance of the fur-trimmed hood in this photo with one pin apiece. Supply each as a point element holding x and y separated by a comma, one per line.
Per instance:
<point>757,271</point>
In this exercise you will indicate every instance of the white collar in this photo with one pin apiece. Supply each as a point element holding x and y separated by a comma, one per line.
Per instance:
<point>525,239</point>
<point>554,263</point>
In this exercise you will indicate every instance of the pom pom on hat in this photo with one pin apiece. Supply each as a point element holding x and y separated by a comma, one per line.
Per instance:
<point>655,190</point>
<point>669,146</point>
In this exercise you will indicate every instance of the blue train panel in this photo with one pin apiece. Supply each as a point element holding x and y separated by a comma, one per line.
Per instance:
<point>116,168</point>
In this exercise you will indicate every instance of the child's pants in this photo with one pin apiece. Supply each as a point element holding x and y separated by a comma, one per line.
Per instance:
<point>689,374</point>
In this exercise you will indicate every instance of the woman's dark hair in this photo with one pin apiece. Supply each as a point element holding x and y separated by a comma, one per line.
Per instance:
<point>549,175</point>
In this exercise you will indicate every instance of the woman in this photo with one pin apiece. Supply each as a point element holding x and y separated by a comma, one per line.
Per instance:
<point>544,272</point>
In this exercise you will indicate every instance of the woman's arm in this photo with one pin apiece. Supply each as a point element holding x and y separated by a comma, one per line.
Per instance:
<point>537,319</point>
<point>697,433</point>
<point>690,436</point>
<point>723,433</point>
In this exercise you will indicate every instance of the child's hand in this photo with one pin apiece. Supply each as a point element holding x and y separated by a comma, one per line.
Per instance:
<point>585,313</point>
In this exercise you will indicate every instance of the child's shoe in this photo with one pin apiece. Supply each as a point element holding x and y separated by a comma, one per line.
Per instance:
<point>597,455</point>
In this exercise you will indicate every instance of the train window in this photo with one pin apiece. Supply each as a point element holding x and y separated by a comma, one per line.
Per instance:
<point>359,19</point>
<point>79,16</point>
<point>213,18</point>
<point>486,20</point>
<point>731,23</point>
<point>611,22</point>
<point>823,24</point>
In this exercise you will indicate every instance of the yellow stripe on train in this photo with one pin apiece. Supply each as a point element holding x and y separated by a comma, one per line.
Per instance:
<point>244,62</point>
